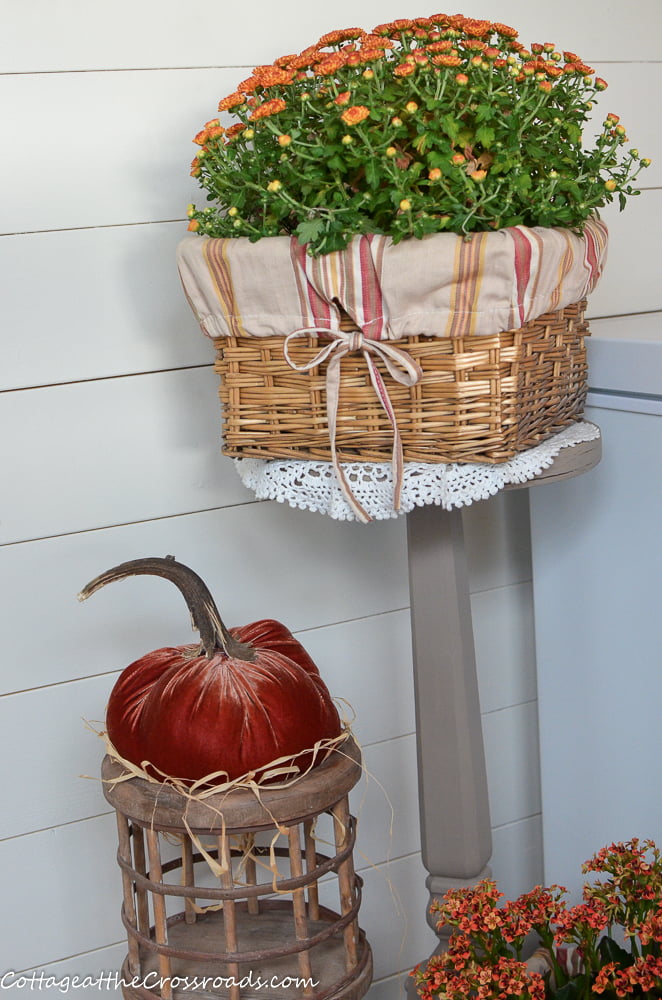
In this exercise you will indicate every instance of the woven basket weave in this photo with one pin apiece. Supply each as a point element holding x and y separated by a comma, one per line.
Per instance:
<point>481,399</point>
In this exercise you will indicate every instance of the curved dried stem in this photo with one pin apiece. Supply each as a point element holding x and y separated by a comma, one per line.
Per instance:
<point>206,619</point>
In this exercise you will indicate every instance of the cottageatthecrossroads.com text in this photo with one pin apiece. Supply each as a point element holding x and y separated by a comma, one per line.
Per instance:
<point>152,981</point>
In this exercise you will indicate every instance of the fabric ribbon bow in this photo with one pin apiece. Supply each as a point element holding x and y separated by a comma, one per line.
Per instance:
<point>400,367</point>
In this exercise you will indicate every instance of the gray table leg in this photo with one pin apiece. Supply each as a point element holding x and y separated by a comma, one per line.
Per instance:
<point>454,810</point>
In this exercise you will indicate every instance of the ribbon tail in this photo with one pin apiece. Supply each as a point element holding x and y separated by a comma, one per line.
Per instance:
<point>332,396</point>
<point>397,457</point>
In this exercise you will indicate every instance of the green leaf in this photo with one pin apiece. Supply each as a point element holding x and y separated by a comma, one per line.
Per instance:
<point>309,230</point>
<point>372,173</point>
<point>336,163</point>
<point>610,951</point>
<point>451,127</point>
<point>484,112</point>
<point>485,136</point>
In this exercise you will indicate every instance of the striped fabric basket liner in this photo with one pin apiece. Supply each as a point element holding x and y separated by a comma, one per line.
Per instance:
<point>433,350</point>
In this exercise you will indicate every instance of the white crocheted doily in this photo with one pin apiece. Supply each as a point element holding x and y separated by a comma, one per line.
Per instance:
<point>313,485</point>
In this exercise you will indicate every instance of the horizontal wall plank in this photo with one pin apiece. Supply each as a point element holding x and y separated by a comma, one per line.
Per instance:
<point>109,452</point>
<point>505,646</point>
<point>261,561</point>
<point>630,282</point>
<point>112,296</point>
<point>71,872</point>
<point>163,33</point>
<point>360,663</point>
<point>96,964</point>
<point>496,535</point>
<point>512,760</point>
<point>370,663</point>
<point>517,858</point>
<point>119,145</point>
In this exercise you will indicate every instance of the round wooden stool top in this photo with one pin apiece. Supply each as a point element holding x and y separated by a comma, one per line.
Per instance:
<point>162,807</point>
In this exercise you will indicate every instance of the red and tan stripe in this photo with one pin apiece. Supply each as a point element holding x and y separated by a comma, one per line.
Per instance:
<point>595,236</point>
<point>298,260</point>
<point>467,281</point>
<point>564,269</point>
<point>216,254</point>
<point>315,269</point>
<point>522,261</point>
<point>378,246</point>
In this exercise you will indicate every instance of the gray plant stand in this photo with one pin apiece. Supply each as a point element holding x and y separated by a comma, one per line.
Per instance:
<point>454,809</point>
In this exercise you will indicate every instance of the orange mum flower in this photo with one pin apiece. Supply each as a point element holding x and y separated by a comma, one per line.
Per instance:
<point>477,28</point>
<point>446,60</point>
<point>235,130</point>
<point>195,167</point>
<point>343,98</point>
<point>368,41</point>
<point>283,62</point>
<point>404,69</point>
<point>357,113</point>
<point>201,137</point>
<point>231,101</point>
<point>331,64</point>
<point>248,86</point>
<point>474,45</point>
<point>343,35</point>
<point>504,30</point>
<point>307,59</point>
<point>272,76</point>
<point>443,46</point>
<point>267,109</point>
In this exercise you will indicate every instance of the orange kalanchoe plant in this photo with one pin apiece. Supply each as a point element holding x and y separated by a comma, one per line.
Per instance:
<point>450,116</point>
<point>579,958</point>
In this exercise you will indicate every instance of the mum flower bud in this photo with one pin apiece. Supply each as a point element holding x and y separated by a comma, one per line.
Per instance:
<point>391,151</point>
<point>411,107</point>
<point>284,140</point>
<point>610,184</point>
<point>193,225</point>
<point>233,211</point>
<point>434,174</point>
<point>461,79</point>
<point>458,158</point>
<point>347,140</point>
<point>190,209</point>
<point>600,84</point>
<point>479,175</point>
<point>274,186</point>
<point>405,205</point>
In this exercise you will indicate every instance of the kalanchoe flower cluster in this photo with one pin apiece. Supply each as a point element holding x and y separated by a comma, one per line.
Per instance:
<point>484,957</point>
<point>419,126</point>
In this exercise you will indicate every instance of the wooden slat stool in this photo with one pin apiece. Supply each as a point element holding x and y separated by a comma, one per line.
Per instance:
<point>248,933</point>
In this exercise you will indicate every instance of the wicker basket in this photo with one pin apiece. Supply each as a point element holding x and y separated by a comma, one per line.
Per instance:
<point>481,399</point>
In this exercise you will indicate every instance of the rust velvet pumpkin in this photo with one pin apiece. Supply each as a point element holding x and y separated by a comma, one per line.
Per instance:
<point>241,699</point>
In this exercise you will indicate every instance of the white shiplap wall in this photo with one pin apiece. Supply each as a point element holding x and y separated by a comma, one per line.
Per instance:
<point>110,451</point>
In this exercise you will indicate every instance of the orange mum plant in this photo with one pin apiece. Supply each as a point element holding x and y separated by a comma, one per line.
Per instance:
<point>423,125</point>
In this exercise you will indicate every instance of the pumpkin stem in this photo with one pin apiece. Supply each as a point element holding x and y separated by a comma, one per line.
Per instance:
<point>204,613</point>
